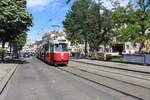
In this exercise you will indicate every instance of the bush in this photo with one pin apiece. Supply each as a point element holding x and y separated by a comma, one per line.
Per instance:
<point>75,54</point>
<point>2,51</point>
<point>104,57</point>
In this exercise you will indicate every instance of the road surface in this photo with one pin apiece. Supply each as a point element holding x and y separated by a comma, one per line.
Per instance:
<point>36,80</point>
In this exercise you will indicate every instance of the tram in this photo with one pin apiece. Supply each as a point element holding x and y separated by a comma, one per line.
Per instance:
<point>54,51</point>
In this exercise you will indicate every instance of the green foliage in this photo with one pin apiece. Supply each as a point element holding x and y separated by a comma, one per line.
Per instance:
<point>126,23</point>
<point>14,19</point>
<point>21,40</point>
<point>85,21</point>
<point>129,33</point>
<point>132,21</point>
<point>75,22</point>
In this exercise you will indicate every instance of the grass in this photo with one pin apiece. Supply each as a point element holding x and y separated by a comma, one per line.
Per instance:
<point>116,58</point>
<point>109,58</point>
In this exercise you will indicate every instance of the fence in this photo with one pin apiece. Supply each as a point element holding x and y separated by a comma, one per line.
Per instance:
<point>140,59</point>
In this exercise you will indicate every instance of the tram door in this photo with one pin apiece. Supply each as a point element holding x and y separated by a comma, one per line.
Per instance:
<point>51,54</point>
<point>46,52</point>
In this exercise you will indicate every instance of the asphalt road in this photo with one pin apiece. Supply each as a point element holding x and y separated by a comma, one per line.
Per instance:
<point>36,80</point>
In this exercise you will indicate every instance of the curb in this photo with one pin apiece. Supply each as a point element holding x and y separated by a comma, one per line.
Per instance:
<point>112,67</point>
<point>8,78</point>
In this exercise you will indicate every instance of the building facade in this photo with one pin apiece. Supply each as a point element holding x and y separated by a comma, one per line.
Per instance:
<point>7,47</point>
<point>29,46</point>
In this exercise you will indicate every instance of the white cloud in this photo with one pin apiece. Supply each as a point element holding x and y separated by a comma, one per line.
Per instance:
<point>58,7</point>
<point>38,3</point>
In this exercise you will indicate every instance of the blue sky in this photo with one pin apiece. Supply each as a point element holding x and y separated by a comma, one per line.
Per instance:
<point>44,10</point>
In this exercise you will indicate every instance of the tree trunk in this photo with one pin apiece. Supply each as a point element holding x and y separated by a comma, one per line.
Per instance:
<point>17,50</point>
<point>3,47</point>
<point>95,54</point>
<point>104,48</point>
<point>93,51</point>
<point>10,47</point>
<point>86,41</point>
<point>19,53</point>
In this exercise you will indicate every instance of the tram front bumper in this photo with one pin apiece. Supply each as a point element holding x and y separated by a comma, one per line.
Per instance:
<point>60,62</point>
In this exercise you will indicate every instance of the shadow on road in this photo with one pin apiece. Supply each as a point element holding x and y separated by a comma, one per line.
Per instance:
<point>60,65</point>
<point>14,61</point>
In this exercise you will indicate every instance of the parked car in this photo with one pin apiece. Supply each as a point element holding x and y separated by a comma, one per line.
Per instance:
<point>26,55</point>
<point>32,54</point>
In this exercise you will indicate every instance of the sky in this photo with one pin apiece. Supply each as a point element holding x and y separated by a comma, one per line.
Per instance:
<point>47,13</point>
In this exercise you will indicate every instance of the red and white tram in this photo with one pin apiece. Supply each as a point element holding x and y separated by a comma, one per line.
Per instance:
<point>54,51</point>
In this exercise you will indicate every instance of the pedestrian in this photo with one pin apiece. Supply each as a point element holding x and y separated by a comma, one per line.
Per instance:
<point>141,46</point>
<point>148,46</point>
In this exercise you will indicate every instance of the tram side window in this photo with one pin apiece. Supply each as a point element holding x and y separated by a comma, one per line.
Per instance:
<point>46,47</point>
<point>42,50</point>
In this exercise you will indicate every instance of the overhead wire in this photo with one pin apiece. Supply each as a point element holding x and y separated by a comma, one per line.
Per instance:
<point>51,19</point>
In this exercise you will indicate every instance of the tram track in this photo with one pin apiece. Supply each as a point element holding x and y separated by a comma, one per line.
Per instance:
<point>142,78</point>
<point>129,79</point>
<point>139,75</point>
<point>102,84</point>
<point>106,66</point>
<point>114,79</point>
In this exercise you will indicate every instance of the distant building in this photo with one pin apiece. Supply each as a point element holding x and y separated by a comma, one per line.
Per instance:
<point>53,34</point>
<point>29,46</point>
<point>37,45</point>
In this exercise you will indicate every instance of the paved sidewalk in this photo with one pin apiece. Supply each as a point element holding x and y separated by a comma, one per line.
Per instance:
<point>6,71</point>
<point>130,67</point>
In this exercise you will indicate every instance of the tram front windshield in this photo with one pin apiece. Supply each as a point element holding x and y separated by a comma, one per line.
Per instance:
<point>61,47</point>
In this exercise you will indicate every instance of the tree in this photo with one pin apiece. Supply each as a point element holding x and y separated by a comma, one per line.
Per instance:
<point>21,40</point>
<point>85,22</point>
<point>133,21</point>
<point>14,19</point>
<point>100,27</point>
<point>76,20</point>
<point>73,30</point>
